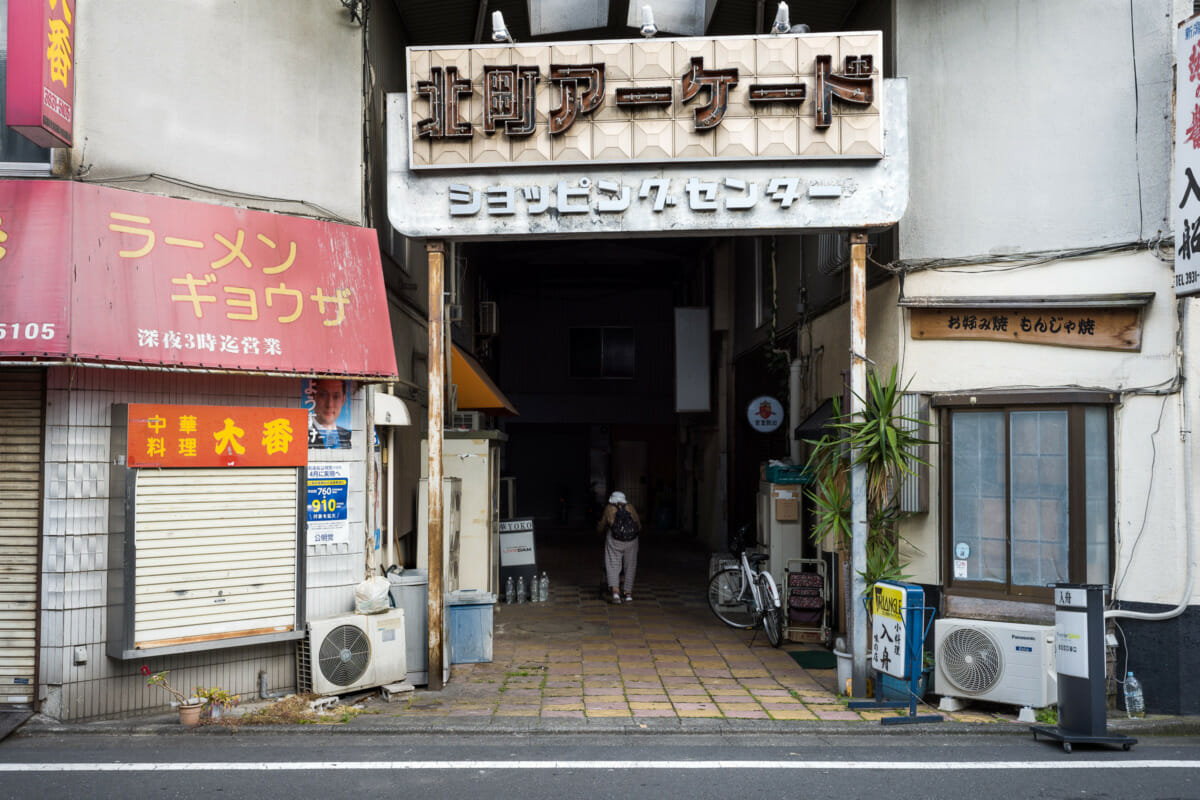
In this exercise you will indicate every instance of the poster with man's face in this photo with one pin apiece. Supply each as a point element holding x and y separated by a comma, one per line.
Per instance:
<point>328,413</point>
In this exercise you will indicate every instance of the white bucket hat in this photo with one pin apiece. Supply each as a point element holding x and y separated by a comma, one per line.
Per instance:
<point>617,497</point>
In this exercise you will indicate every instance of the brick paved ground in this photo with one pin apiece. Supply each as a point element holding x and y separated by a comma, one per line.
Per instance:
<point>664,655</point>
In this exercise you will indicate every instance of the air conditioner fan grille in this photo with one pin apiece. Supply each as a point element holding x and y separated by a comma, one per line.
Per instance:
<point>970,659</point>
<point>344,655</point>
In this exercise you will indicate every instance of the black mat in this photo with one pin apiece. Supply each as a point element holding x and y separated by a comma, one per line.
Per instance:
<point>11,720</point>
<point>814,659</point>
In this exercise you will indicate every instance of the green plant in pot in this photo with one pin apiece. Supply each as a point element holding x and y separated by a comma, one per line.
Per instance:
<point>886,443</point>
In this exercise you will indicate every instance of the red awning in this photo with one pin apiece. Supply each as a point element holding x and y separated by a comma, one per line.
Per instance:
<point>94,274</point>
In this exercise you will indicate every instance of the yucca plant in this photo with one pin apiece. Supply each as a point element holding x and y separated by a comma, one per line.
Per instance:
<point>886,443</point>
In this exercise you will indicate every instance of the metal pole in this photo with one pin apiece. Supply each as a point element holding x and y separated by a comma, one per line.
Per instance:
<point>860,638</point>
<point>437,373</point>
<point>373,521</point>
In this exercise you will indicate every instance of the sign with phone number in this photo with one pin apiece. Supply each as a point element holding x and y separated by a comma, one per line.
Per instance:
<point>328,492</point>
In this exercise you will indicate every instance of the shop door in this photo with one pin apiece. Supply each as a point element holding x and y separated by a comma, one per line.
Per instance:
<point>20,509</point>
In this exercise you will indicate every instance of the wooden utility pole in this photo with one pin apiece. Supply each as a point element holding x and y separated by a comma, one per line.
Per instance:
<point>860,639</point>
<point>437,375</point>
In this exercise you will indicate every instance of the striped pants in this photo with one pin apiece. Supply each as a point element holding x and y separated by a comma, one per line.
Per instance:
<point>617,555</point>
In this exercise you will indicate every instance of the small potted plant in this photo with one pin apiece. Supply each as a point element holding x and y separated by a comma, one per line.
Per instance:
<point>216,700</point>
<point>189,707</point>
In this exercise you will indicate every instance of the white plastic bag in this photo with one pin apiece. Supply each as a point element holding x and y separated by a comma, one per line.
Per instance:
<point>371,596</point>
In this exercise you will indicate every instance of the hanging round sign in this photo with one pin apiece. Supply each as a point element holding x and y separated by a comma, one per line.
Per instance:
<point>765,414</point>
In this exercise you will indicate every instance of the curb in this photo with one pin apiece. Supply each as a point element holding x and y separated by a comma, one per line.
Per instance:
<point>374,726</point>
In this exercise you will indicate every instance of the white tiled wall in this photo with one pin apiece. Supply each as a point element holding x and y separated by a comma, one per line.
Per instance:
<point>75,545</point>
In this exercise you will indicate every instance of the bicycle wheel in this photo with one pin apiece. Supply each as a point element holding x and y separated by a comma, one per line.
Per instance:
<point>731,599</point>
<point>772,619</point>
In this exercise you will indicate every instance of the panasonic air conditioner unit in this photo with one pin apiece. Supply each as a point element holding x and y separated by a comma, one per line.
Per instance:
<point>1001,662</point>
<point>350,652</point>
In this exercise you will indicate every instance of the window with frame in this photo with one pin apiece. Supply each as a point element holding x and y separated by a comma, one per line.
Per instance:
<point>18,155</point>
<point>606,352</point>
<point>1026,498</point>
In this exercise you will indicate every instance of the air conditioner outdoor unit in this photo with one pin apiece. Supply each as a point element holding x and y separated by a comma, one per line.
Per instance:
<point>489,321</point>
<point>468,420</point>
<point>352,651</point>
<point>1001,662</point>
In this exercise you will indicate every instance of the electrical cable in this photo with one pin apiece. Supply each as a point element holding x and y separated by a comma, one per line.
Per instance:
<point>324,213</point>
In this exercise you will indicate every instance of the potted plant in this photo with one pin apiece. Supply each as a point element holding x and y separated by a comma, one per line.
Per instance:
<point>189,707</point>
<point>885,443</point>
<point>216,700</point>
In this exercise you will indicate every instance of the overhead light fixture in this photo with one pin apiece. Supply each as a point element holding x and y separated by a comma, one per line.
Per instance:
<point>499,30</point>
<point>782,22</point>
<point>649,29</point>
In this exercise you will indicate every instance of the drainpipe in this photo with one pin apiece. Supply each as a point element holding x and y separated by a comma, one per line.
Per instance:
<point>437,374</point>
<point>1185,434</point>
<point>860,641</point>
<point>793,411</point>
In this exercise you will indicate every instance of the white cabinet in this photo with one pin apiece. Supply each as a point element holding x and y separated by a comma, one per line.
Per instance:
<point>473,457</point>
<point>451,530</point>
<point>780,527</point>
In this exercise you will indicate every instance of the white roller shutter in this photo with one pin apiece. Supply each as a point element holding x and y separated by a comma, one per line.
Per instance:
<point>216,554</point>
<point>20,496</point>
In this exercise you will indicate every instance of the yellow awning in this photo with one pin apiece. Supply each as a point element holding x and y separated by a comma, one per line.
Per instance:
<point>476,391</point>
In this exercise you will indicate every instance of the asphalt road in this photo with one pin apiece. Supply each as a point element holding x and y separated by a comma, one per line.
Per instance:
<point>319,764</point>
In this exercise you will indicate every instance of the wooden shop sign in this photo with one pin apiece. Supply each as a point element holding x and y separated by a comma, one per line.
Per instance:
<point>1101,328</point>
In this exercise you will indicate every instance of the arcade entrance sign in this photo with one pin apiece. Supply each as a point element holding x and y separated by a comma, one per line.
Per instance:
<point>658,137</point>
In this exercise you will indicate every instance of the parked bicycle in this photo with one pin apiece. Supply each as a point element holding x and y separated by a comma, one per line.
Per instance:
<point>746,596</point>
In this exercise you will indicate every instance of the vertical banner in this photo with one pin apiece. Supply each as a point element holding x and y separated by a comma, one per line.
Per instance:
<point>1186,202</point>
<point>40,84</point>
<point>327,500</point>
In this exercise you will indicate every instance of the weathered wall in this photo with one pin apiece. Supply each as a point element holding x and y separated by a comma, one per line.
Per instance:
<point>252,104</point>
<point>1035,126</point>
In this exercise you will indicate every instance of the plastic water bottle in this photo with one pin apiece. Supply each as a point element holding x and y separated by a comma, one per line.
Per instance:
<point>533,589</point>
<point>1135,703</point>
<point>544,588</point>
<point>521,589</point>
<point>510,591</point>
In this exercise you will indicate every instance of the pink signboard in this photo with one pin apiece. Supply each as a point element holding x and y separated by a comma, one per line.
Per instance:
<point>40,84</point>
<point>159,281</point>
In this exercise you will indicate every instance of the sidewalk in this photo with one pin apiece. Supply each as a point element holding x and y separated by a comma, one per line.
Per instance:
<point>661,663</point>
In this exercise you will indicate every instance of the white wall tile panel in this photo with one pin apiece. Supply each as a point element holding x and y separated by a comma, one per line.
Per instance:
<point>75,544</point>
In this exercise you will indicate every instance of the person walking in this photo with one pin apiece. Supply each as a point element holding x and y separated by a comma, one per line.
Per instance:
<point>620,520</point>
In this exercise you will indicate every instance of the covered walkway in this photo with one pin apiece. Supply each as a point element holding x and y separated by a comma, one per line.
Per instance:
<point>664,655</point>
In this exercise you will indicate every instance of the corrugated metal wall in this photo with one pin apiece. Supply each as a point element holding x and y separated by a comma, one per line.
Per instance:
<point>20,497</point>
<point>75,545</point>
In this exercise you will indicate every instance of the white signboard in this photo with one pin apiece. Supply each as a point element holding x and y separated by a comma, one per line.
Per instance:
<point>765,414</point>
<point>514,525</point>
<point>674,198</point>
<point>516,549</point>
<point>327,502</point>
<point>1186,202</point>
<point>1071,643</point>
<point>888,606</point>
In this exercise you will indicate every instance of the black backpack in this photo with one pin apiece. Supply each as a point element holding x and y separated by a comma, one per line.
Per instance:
<point>624,529</point>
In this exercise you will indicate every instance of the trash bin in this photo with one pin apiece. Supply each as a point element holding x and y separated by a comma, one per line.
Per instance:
<point>410,590</point>
<point>470,616</point>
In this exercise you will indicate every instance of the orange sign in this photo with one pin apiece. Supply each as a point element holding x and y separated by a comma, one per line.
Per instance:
<point>216,436</point>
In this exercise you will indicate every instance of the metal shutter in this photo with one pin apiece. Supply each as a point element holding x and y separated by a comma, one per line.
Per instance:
<point>20,502</point>
<point>216,554</point>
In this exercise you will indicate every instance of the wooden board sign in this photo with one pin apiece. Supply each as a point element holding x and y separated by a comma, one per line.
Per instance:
<point>1098,328</point>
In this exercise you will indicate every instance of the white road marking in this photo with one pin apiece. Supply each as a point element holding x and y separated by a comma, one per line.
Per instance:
<point>274,766</point>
